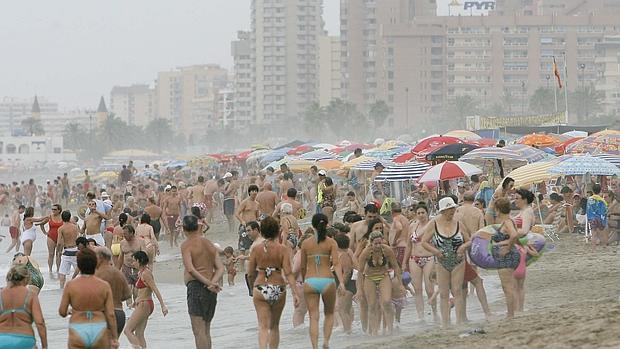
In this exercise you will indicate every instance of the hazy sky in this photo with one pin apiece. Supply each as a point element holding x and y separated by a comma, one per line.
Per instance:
<point>74,51</point>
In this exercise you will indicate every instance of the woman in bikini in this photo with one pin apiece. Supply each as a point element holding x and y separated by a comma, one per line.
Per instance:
<point>54,251</point>
<point>375,264</point>
<point>421,262</point>
<point>269,270</point>
<point>524,222</point>
<point>93,322</point>
<point>145,231</point>
<point>447,239</point>
<point>117,237</point>
<point>30,230</point>
<point>143,305</point>
<point>19,308</point>
<point>316,254</point>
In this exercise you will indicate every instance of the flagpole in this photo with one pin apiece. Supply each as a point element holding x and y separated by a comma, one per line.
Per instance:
<point>555,95</point>
<point>565,89</point>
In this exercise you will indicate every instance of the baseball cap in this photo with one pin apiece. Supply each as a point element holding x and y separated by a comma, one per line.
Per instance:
<point>227,175</point>
<point>322,173</point>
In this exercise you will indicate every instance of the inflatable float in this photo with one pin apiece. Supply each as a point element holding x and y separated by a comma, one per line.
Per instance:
<point>481,250</point>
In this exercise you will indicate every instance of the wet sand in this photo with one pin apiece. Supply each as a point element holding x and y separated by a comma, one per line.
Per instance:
<point>571,302</point>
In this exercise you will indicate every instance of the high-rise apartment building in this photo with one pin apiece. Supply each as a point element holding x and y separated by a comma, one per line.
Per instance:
<point>364,50</point>
<point>494,59</point>
<point>187,97</point>
<point>284,44</point>
<point>608,66</point>
<point>556,7</point>
<point>330,75</point>
<point>133,104</point>
<point>14,110</point>
<point>241,50</point>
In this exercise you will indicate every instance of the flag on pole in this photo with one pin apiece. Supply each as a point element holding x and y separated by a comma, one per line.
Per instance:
<point>556,72</point>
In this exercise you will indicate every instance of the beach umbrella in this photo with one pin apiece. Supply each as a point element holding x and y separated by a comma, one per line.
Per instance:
<point>561,148</point>
<point>387,154</point>
<point>329,165</point>
<point>318,155</point>
<point>325,146</point>
<point>302,149</point>
<point>257,155</point>
<point>177,163</point>
<point>274,155</point>
<point>356,161</point>
<point>614,159</point>
<point>402,172</point>
<point>297,165</point>
<point>604,142</point>
<point>514,154</point>
<point>585,164</point>
<point>534,173</point>
<point>369,165</point>
<point>574,134</point>
<point>404,157</point>
<point>433,142</point>
<point>539,140</point>
<point>482,142</point>
<point>451,152</point>
<point>392,144</point>
<point>463,134</point>
<point>449,170</point>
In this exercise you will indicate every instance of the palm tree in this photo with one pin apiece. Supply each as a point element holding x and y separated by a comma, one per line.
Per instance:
<point>74,136</point>
<point>460,108</point>
<point>586,101</point>
<point>114,134</point>
<point>543,101</point>
<point>313,119</point>
<point>344,119</point>
<point>33,126</point>
<point>158,134</point>
<point>378,113</point>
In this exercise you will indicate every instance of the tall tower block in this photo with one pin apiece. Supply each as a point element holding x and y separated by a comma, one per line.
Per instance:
<point>102,112</point>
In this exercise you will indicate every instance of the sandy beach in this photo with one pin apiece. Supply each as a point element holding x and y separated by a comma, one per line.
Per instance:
<point>570,301</point>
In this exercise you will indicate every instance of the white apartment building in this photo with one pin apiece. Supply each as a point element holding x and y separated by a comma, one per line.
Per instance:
<point>330,74</point>
<point>133,104</point>
<point>241,50</point>
<point>608,66</point>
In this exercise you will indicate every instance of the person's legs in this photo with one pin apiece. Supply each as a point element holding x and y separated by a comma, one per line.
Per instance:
<point>346,311</point>
<point>508,286</point>
<point>482,296</point>
<point>385,291</point>
<point>520,294</point>
<point>51,253</point>
<point>274,326</point>
<point>363,304</point>
<point>300,311</point>
<point>263,315</point>
<point>140,329</point>
<point>370,293</point>
<point>456,279</point>
<point>329,302</point>
<point>329,212</point>
<point>139,315</point>
<point>199,328</point>
<point>312,300</point>
<point>443,281</point>
<point>417,276</point>
<point>429,267</point>
<point>58,256</point>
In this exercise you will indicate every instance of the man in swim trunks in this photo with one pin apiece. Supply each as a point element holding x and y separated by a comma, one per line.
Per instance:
<point>247,212</point>
<point>360,228</point>
<point>203,270</point>
<point>196,192</point>
<point>212,186</point>
<point>67,235</point>
<point>253,234</point>
<point>172,209</point>
<point>399,233</point>
<point>267,200</point>
<point>92,223</point>
<point>154,212</point>
<point>16,221</point>
<point>230,192</point>
<point>120,290</point>
<point>126,263</point>
<point>291,194</point>
<point>65,189</point>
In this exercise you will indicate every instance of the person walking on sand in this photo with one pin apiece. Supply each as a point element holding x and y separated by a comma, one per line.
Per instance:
<point>319,280</point>
<point>172,209</point>
<point>125,262</point>
<point>120,290</point>
<point>19,308</point>
<point>54,222</point>
<point>203,270</point>
<point>92,324</point>
<point>67,236</point>
<point>29,235</point>
<point>269,271</point>
<point>14,230</point>
<point>143,305</point>
<point>247,212</point>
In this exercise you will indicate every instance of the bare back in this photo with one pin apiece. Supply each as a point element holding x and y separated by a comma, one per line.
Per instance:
<point>202,253</point>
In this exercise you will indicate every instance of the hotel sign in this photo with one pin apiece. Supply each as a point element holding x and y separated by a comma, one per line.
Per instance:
<point>464,7</point>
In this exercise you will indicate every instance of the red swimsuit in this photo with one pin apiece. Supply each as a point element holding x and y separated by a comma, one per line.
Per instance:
<point>53,233</point>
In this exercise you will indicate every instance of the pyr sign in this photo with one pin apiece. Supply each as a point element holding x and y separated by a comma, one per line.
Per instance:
<point>465,7</point>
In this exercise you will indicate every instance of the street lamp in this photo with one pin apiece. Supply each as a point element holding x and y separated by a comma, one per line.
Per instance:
<point>407,107</point>
<point>548,77</point>
<point>523,93</point>
<point>582,67</point>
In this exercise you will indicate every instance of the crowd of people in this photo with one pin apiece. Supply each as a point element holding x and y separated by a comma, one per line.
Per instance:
<point>320,238</point>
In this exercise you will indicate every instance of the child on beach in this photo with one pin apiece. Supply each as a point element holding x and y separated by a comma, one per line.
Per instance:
<point>352,204</point>
<point>399,298</point>
<point>229,262</point>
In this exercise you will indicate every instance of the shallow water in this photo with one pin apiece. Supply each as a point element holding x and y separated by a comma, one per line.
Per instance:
<point>235,319</point>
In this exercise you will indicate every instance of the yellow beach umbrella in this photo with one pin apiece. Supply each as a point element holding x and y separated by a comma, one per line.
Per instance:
<point>299,165</point>
<point>328,165</point>
<point>533,173</point>
<point>352,163</point>
<point>463,134</point>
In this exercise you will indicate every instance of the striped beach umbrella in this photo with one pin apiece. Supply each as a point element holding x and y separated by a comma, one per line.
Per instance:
<point>604,142</point>
<point>614,159</point>
<point>514,154</point>
<point>533,173</point>
<point>449,170</point>
<point>402,172</point>
<point>318,155</point>
<point>369,165</point>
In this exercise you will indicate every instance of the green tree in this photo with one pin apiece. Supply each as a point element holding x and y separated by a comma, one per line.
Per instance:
<point>313,119</point>
<point>458,110</point>
<point>33,126</point>
<point>344,119</point>
<point>585,102</point>
<point>159,135</point>
<point>543,101</point>
<point>114,134</point>
<point>508,100</point>
<point>74,137</point>
<point>378,113</point>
